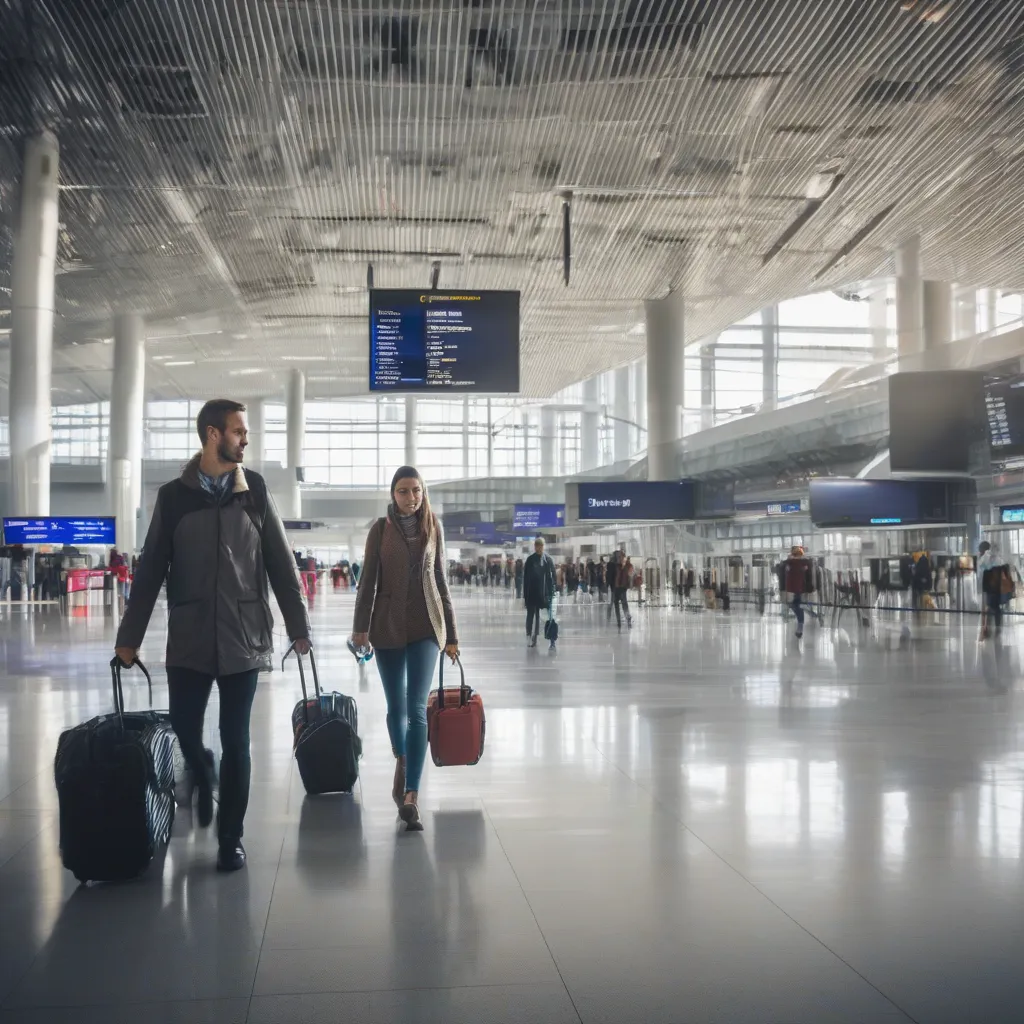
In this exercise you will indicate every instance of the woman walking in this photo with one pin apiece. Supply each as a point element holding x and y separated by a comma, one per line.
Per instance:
<point>404,610</point>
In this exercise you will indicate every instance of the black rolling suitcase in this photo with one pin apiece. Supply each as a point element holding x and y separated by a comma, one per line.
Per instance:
<point>326,732</point>
<point>115,778</point>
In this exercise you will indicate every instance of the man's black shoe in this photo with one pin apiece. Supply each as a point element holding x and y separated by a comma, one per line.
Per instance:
<point>231,856</point>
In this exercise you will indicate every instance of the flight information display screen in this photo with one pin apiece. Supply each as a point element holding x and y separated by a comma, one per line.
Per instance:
<point>1004,404</point>
<point>632,500</point>
<point>537,517</point>
<point>444,341</point>
<point>1011,514</point>
<point>842,502</point>
<point>60,530</point>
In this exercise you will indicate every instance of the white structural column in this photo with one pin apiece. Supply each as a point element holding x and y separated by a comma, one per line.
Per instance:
<point>590,442</point>
<point>411,426</point>
<point>640,403</point>
<point>256,417</point>
<point>548,441</point>
<point>623,428</point>
<point>878,315</point>
<point>909,306</point>
<point>490,440</point>
<point>665,385</point>
<point>707,384</point>
<point>32,292</point>
<point>991,309</point>
<point>937,320</point>
<point>466,411</point>
<point>296,438</point>
<point>966,312</point>
<point>124,450</point>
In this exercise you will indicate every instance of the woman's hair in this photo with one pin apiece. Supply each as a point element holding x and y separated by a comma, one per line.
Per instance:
<point>796,551</point>
<point>425,514</point>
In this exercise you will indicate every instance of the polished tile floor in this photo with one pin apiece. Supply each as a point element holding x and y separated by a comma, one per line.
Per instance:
<point>697,821</point>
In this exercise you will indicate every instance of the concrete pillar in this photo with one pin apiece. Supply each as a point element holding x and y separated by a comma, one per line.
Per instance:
<point>256,417</point>
<point>707,385</point>
<point>878,316</point>
<point>295,425</point>
<point>991,309</point>
<point>590,441</point>
<point>466,412</point>
<point>124,448</point>
<point>640,403</point>
<point>623,428</point>
<point>937,321</point>
<point>548,441</point>
<point>769,357</point>
<point>490,440</point>
<point>909,303</point>
<point>410,430</point>
<point>32,293</point>
<point>665,385</point>
<point>966,313</point>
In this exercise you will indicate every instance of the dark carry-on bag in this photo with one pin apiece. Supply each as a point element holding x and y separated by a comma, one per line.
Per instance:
<point>456,723</point>
<point>115,778</point>
<point>326,732</point>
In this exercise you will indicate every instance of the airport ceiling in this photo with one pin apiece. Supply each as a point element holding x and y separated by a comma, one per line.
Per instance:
<point>230,168</point>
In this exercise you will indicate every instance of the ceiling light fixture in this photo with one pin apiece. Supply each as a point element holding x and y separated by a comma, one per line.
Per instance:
<point>182,362</point>
<point>246,372</point>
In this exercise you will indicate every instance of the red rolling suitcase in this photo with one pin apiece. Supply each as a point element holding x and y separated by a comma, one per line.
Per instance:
<point>456,723</point>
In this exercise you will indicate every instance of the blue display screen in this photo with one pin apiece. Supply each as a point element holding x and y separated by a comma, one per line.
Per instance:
<point>783,508</point>
<point>444,341</point>
<point>60,530</point>
<point>643,500</point>
<point>537,517</point>
<point>1011,514</point>
<point>842,502</point>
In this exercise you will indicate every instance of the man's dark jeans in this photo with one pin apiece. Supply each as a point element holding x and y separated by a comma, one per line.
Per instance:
<point>189,693</point>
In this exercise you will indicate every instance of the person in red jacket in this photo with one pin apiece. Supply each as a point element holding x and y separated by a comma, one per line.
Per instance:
<point>798,581</point>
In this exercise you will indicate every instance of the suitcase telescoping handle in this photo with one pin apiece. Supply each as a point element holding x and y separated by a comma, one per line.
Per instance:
<point>115,674</point>
<point>302,676</point>
<point>464,690</point>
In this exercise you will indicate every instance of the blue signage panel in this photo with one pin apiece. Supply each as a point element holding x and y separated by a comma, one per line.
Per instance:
<point>444,341</point>
<point>297,524</point>
<point>626,500</point>
<point>60,530</point>
<point>1011,514</point>
<point>537,517</point>
<point>783,508</point>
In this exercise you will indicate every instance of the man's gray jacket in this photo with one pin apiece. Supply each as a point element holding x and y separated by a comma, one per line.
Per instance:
<point>216,556</point>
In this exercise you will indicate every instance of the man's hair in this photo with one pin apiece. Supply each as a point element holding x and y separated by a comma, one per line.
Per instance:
<point>215,414</point>
<point>538,540</point>
<point>984,546</point>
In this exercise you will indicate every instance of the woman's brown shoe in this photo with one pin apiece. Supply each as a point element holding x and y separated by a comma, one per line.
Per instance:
<point>398,789</point>
<point>410,814</point>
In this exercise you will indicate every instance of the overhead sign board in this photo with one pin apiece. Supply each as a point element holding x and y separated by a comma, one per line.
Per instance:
<point>636,500</point>
<point>60,530</point>
<point>537,517</point>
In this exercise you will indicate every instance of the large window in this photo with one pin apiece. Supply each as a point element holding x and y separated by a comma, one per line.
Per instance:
<point>80,432</point>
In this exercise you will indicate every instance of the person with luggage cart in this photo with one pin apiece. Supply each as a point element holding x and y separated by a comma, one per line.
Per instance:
<point>216,538</point>
<point>404,612</point>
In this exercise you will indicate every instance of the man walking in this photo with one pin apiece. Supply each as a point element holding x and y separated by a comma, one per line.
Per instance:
<point>538,588</point>
<point>216,538</point>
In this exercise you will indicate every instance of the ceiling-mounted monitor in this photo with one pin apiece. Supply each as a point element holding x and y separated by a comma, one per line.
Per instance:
<point>840,502</point>
<point>444,341</point>
<point>1004,405</point>
<point>60,530</point>
<point>935,418</point>
<point>631,500</point>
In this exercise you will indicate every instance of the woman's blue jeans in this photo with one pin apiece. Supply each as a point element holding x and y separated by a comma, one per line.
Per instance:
<point>407,673</point>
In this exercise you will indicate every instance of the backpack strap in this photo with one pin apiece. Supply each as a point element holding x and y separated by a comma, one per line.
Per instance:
<point>256,507</point>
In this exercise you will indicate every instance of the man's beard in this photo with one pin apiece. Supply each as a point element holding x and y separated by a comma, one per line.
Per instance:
<point>228,454</point>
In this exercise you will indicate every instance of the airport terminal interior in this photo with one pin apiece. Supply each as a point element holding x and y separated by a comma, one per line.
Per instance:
<point>661,361</point>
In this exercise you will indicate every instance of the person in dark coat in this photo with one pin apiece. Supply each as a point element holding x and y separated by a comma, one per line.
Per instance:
<point>798,579</point>
<point>216,538</point>
<point>538,588</point>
